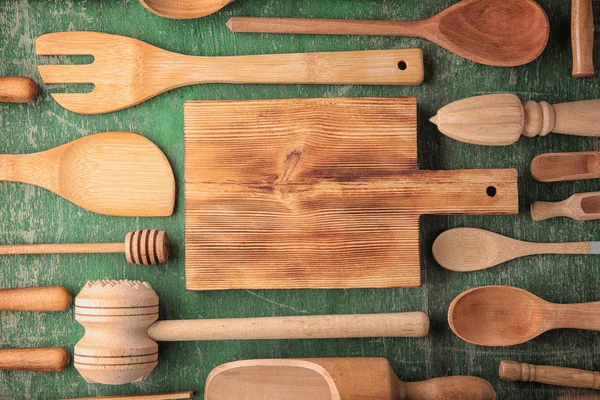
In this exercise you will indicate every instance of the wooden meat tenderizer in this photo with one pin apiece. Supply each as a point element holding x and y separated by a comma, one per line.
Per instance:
<point>558,376</point>
<point>582,38</point>
<point>501,119</point>
<point>17,89</point>
<point>143,247</point>
<point>580,207</point>
<point>119,345</point>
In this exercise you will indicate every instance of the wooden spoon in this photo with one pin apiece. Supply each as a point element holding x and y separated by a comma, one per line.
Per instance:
<point>334,379</point>
<point>184,9</point>
<point>502,33</point>
<point>507,316</point>
<point>472,249</point>
<point>113,173</point>
<point>17,89</point>
<point>560,167</point>
<point>580,207</point>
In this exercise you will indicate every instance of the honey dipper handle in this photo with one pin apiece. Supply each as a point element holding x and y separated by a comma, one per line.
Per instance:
<point>582,38</point>
<point>49,359</point>
<point>88,248</point>
<point>54,298</point>
<point>17,89</point>
<point>559,376</point>
<point>412,324</point>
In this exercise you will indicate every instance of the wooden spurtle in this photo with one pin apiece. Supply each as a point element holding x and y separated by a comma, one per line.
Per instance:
<point>17,89</point>
<point>144,247</point>
<point>502,33</point>
<point>507,316</point>
<point>501,119</point>
<point>112,173</point>
<point>580,207</point>
<point>42,299</point>
<point>334,379</point>
<point>165,396</point>
<point>119,62</point>
<point>472,249</point>
<point>551,375</point>
<point>582,38</point>
<point>560,167</point>
<point>45,359</point>
<point>184,9</point>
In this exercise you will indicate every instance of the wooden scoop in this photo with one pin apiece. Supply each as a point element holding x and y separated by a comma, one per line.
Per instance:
<point>17,89</point>
<point>559,167</point>
<point>507,316</point>
<point>551,375</point>
<point>580,207</point>
<point>472,249</point>
<point>184,9</point>
<point>503,33</point>
<point>334,379</point>
<point>113,173</point>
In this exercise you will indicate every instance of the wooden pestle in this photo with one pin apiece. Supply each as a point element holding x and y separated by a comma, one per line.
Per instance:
<point>582,38</point>
<point>47,359</point>
<point>119,345</point>
<point>559,376</point>
<point>143,247</point>
<point>53,298</point>
<point>17,89</point>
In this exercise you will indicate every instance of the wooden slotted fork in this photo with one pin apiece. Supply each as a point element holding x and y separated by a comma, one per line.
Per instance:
<point>127,71</point>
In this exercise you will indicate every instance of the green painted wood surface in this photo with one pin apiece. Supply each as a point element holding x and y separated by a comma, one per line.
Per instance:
<point>29,214</point>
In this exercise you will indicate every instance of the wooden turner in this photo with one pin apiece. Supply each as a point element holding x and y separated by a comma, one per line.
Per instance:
<point>127,72</point>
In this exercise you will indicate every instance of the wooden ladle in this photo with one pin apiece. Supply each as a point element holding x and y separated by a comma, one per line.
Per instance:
<point>507,316</point>
<point>184,9</point>
<point>501,33</point>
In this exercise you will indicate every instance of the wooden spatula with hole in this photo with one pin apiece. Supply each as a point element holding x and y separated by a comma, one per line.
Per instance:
<point>334,379</point>
<point>112,173</point>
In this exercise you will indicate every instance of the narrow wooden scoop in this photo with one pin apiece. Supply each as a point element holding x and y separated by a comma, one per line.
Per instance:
<point>472,249</point>
<point>502,33</point>
<point>333,379</point>
<point>580,207</point>
<point>17,89</point>
<point>184,9</point>
<point>113,173</point>
<point>507,316</point>
<point>559,167</point>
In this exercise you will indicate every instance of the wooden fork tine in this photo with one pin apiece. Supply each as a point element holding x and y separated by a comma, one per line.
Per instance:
<point>66,73</point>
<point>66,43</point>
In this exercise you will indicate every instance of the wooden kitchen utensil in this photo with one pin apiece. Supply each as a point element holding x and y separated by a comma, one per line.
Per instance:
<point>166,396</point>
<point>501,119</point>
<point>560,167</point>
<point>126,71</point>
<point>284,194</point>
<point>184,9</point>
<point>46,359</point>
<point>113,173</point>
<point>558,376</point>
<point>472,249</point>
<point>17,89</point>
<point>507,316</point>
<point>503,33</point>
<point>144,247</point>
<point>334,379</point>
<point>580,207</point>
<point>52,298</point>
<point>582,38</point>
<point>119,345</point>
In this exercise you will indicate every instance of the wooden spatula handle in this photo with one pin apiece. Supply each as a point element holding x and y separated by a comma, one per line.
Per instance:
<point>582,38</point>
<point>559,376</point>
<point>52,298</point>
<point>47,359</point>
<point>17,89</point>
<point>412,324</point>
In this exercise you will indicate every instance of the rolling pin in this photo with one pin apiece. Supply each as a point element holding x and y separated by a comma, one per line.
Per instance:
<point>17,89</point>
<point>558,376</point>
<point>52,298</point>
<point>582,38</point>
<point>46,359</point>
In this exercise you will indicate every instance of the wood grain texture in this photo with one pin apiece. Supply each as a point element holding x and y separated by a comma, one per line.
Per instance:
<point>17,89</point>
<point>184,9</point>
<point>580,207</point>
<point>551,375</point>
<point>559,167</point>
<point>50,359</point>
<point>293,194</point>
<point>582,38</point>
<point>52,298</point>
<point>166,396</point>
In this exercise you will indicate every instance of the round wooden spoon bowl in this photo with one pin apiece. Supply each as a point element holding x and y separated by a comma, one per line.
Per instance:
<point>184,9</point>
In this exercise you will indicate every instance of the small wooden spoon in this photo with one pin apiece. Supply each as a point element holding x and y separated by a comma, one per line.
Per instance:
<point>507,316</point>
<point>184,9</point>
<point>580,207</point>
<point>472,249</point>
<point>560,167</point>
<point>503,33</point>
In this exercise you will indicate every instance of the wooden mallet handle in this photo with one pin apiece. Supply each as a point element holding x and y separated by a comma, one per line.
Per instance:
<point>17,89</point>
<point>48,359</point>
<point>52,298</point>
<point>559,376</point>
<point>582,38</point>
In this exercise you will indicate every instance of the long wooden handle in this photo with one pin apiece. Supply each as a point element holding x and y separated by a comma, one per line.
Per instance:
<point>577,118</point>
<point>542,210</point>
<point>559,376</point>
<point>87,248</point>
<point>166,396</point>
<point>414,324</point>
<point>48,359</point>
<point>448,388</point>
<point>17,89</point>
<point>582,38</point>
<point>52,298</point>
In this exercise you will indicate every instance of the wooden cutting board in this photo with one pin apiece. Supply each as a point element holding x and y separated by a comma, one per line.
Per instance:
<point>316,193</point>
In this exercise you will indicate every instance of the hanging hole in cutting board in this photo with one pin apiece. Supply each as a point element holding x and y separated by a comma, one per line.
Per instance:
<point>491,191</point>
<point>402,65</point>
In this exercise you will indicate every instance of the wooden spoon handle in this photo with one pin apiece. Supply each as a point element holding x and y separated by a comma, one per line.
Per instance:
<point>17,89</point>
<point>48,359</point>
<point>582,38</point>
<point>559,376</point>
<point>53,298</point>
<point>166,396</point>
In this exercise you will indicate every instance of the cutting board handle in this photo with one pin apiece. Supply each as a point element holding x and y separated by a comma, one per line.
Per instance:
<point>48,359</point>
<point>53,298</point>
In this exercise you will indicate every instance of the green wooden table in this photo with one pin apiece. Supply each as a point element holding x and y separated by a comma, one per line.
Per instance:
<point>29,214</point>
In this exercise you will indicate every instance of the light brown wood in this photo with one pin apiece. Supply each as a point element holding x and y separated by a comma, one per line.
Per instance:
<point>48,359</point>
<point>551,375</point>
<point>112,173</point>
<point>120,62</point>
<point>17,89</point>
<point>166,396</point>
<point>294,194</point>
<point>333,379</point>
<point>502,33</point>
<point>577,396</point>
<point>559,167</point>
<point>507,316</point>
<point>184,9</point>
<point>472,249</point>
<point>501,119</point>
<point>580,207</point>
<point>119,345</point>
<point>143,247</point>
<point>51,298</point>
<point>582,38</point>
